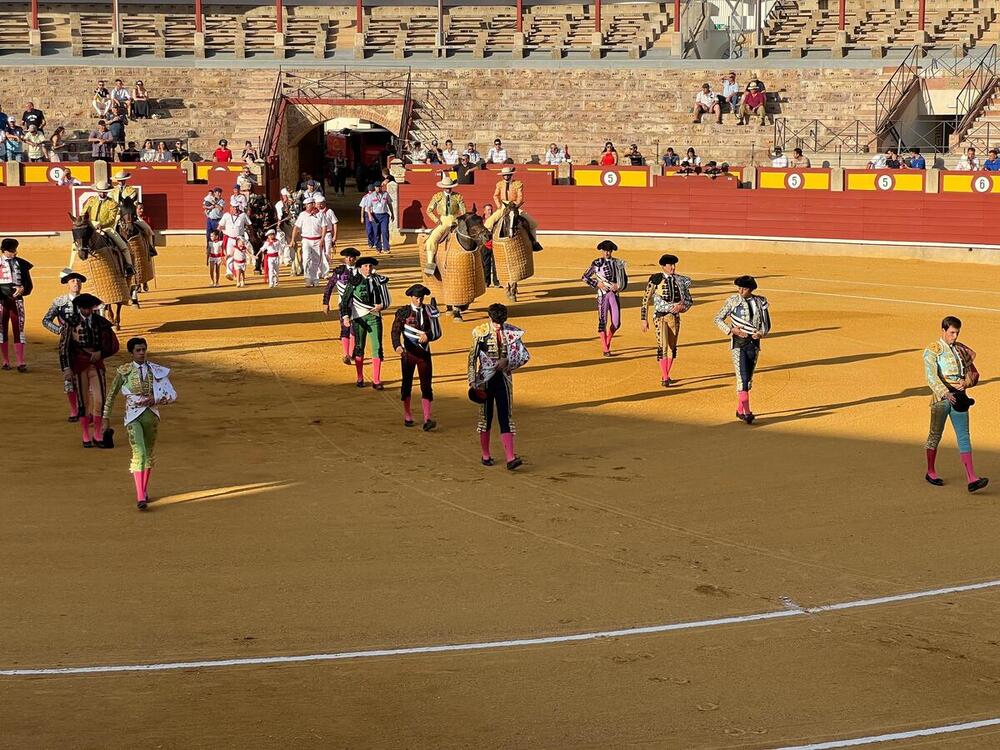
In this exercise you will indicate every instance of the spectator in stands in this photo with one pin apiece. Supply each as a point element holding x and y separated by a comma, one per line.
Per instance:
<point>57,144</point>
<point>102,145</point>
<point>36,144</point>
<point>475,158</point>
<point>116,124</point>
<point>706,101</point>
<point>178,152</point>
<point>892,160</point>
<point>877,162</point>
<point>731,93</point>
<point>130,153</point>
<point>497,154</point>
<point>780,161</point>
<point>434,152</point>
<point>609,156</point>
<point>670,159</point>
<point>101,101</point>
<point>249,155</point>
<point>418,154</point>
<point>916,160</point>
<point>759,83</point>
<point>553,155</point>
<point>10,139</point>
<point>33,116</point>
<point>798,161</point>
<point>993,163</point>
<point>464,170</point>
<point>969,161</point>
<point>148,153</point>
<point>140,101</point>
<point>246,181</point>
<point>67,179</point>
<point>163,155</point>
<point>449,155</point>
<point>692,158</point>
<point>121,97</point>
<point>4,120</point>
<point>635,158</point>
<point>753,105</point>
<point>222,154</point>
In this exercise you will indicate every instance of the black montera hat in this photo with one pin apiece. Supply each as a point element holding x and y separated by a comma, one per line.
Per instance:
<point>350,252</point>
<point>746,282</point>
<point>85,300</point>
<point>417,290</point>
<point>607,245</point>
<point>366,260</point>
<point>668,259</point>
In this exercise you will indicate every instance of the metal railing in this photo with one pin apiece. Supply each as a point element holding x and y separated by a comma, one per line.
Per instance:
<point>976,93</point>
<point>983,136</point>
<point>816,136</point>
<point>899,86</point>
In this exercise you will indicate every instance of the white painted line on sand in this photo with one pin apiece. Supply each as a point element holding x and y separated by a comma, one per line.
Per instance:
<point>912,734</point>
<point>493,645</point>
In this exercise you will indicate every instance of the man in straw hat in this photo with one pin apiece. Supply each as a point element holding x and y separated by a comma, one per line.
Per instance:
<point>753,104</point>
<point>745,318</point>
<point>15,285</point>
<point>55,319</point>
<point>123,190</point>
<point>443,209</point>
<point>361,306</point>
<point>608,276</point>
<point>85,341</point>
<point>102,213</point>
<point>670,294</point>
<point>414,327</point>
<point>509,193</point>
<point>338,281</point>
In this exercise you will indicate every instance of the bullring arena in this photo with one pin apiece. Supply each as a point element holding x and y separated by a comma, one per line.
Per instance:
<point>656,573</point>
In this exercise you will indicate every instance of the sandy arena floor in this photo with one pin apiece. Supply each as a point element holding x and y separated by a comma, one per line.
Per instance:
<point>295,515</point>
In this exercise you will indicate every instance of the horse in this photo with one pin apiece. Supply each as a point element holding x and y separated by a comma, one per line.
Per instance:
<point>105,267</point>
<point>471,232</point>
<point>510,225</point>
<point>130,231</point>
<point>472,236</point>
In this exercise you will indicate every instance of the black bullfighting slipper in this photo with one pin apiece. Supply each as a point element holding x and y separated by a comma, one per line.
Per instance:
<point>141,505</point>
<point>407,423</point>
<point>741,417</point>
<point>87,444</point>
<point>360,384</point>
<point>429,425</point>
<point>936,481</point>
<point>488,462</point>
<point>73,418</point>
<point>378,386</point>
<point>978,484</point>
<point>511,465</point>
<point>749,417</point>
<point>347,361</point>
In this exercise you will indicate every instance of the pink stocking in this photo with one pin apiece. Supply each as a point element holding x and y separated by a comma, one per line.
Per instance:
<point>664,369</point>
<point>359,365</point>
<point>407,413</point>
<point>931,457</point>
<point>970,473</point>
<point>98,425</point>
<point>425,403</point>
<point>145,482</point>
<point>507,438</point>
<point>376,370</point>
<point>604,341</point>
<point>611,334</point>
<point>74,406</point>
<point>85,428</point>
<point>484,443</point>
<point>5,351</point>
<point>139,492</point>
<point>19,352</point>
<point>744,402</point>
<point>346,343</point>
<point>670,363</point>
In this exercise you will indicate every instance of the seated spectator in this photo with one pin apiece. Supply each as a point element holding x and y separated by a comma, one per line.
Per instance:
<point>670,159</point>
<point>178,152</point>
<point>993,163</point>
<point>706,101</point>
<point>222,154</point>
<point>148,153</point>
<point>892,160</point>
<point>418,154</point>
<point>877,162</point>
<point>449,155</point>
<point>712,169</point>
<point>464,170</point>
<point>693,159</point>
<point>57,144</point>
<point>6,140</point>
<point>36,144</point>
<point>554,155</point>
<point>101,101</point>
<point>780,161</point>
<point>4,120</point>
<point>609,156</point>
<point>130,153</point>
<point>753,105</point>
<point>635,158</point>
<point>497,154</point>
<point>33,116</point>
<point>798,161</point>
<point>731,93</point>
<point>687,168</point>
<point>916,160</point>
<point>474,156</point>
<point>249,155</point>
<point>102,145</point>
<point>756,81</point>
<point>121,97</point>
<point>116,123</point>
<point>163,156</point>
<point>140,102</point>
<point>66,179</point>
<point>433,155</point>
<point>969,162</point>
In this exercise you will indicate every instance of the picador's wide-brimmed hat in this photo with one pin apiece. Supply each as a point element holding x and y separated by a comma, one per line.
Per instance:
<point>417,290</point>
<point>68,274</point>
<point>446,182</point>
<point>746,282</point>
<point>607,246</point>
<point>350,252</point>
<point>506,171</point>
<point>367,261</point>
<point>120,175</point>
<point>86,300</point>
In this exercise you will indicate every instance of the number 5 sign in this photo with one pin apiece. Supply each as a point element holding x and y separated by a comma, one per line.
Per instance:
<point>885,182</point>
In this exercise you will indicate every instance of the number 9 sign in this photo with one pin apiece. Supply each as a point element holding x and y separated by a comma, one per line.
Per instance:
<point>982,184</point>
<point>885,182</point>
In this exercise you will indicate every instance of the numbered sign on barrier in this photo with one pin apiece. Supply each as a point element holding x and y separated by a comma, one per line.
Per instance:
<point>610,179</point>
<point>794,181</point>
<point>885,182</point>
<point>982,184</point>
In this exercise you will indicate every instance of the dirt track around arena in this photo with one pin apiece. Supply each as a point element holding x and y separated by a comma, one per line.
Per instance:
<point>294,515</point>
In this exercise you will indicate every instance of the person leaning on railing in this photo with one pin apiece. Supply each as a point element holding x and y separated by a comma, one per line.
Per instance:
<point>993,163</point>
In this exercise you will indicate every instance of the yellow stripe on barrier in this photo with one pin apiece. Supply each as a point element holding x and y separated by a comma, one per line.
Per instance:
<point>202,170</point>
<point>906,182</point>
<point>597,177</point>
<point>970,183</point>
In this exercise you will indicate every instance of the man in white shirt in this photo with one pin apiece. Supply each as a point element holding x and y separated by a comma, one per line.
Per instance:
<point>449,155</point>
<point>555,155</point>
<point>707,101</point>
<point>731,93</point>
<point>969,162</point>
<point>330,238</point>
<point>233,226</point>
<point>780,161</point>
<point>418,154</point>
<point>121,95</point>
<point>283,208</point>
<point>67,179</point>
<point>497,154</point>
<point>474,156</point>
<point>311,227</point>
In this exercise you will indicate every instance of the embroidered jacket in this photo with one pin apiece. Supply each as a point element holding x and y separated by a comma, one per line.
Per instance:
<point>137,382</point>
<point>338,281</point>
<point>442,205</point>
<point>60,310</point>
<point>409,323</point>
<point>665,291</point>
<point>80,336</point>
<point>15,272</point>
<point>945,366</point>
<point>609,271</point>
<point>102,214</point>
<point>361,295</point>
<point>749,315</point>
<point>490,345</point>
